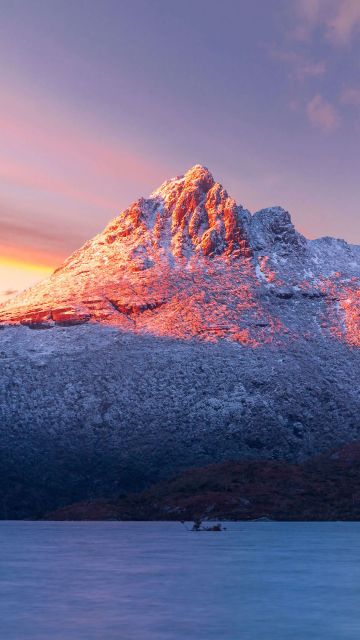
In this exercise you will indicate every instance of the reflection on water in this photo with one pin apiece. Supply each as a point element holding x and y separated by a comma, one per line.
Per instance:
<point>156,581</point>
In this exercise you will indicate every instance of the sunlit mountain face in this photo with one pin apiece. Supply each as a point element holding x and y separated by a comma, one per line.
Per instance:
<point>189,262</point>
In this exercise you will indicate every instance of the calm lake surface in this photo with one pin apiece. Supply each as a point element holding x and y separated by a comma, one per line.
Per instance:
<point>156,581</point>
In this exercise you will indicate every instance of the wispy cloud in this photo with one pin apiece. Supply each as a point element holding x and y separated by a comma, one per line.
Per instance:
<point>8,292</point>
<point>35,239</point>
<point>322,114</point>
<point>35,234</point>
<point>301,66</point>
<point>339,19</point>
<point>307,16</point>
<point>345,22</point>
<point>311,69</point>
<point>54,160</point>
<point>48,151</point>
<point>49,134</point>
<point>351,96</point>
<point>24,175</point>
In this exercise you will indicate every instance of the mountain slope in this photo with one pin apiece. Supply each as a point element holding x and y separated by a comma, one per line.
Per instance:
<point>188,332</point>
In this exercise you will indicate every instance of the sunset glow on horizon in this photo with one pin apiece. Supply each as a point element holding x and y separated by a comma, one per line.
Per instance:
<point>18,275</point>
<point>266,95</point>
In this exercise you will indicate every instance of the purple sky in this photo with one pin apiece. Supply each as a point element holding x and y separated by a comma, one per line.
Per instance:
<point>102,101</point>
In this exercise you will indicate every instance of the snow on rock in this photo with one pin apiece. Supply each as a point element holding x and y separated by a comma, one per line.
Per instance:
<point>273,231</point>
<point>188,262</point>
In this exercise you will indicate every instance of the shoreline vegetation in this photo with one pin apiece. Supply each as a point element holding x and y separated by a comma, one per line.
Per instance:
<point>326,487</point>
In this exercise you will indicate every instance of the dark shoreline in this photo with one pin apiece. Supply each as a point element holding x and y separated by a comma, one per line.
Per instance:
<point>324,488</point>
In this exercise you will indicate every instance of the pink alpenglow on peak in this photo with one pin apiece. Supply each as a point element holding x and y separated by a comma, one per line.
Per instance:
<point>189,263</point>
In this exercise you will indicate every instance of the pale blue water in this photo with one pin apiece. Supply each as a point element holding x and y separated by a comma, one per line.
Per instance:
<point>155,581</point>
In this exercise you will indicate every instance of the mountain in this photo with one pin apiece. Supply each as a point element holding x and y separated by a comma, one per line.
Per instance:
<point>188,332</point>
<point>188,262</point>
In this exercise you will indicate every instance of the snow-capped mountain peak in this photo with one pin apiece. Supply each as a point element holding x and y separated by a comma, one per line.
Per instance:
<point>188,262</point>
<point>190,213</point>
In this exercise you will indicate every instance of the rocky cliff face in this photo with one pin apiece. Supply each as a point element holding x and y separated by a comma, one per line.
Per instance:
<point>188,332</point>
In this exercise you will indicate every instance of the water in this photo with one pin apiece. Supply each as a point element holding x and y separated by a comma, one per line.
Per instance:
<point>155,581</point>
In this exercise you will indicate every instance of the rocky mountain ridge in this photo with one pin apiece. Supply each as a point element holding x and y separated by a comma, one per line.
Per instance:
<point>188,262</point>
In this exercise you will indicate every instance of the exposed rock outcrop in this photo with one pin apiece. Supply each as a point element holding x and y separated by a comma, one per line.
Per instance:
<point>189,262</point>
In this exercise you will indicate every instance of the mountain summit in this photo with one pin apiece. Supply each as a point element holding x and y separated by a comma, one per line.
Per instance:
<point>188,262</point>
<point>195,213</point>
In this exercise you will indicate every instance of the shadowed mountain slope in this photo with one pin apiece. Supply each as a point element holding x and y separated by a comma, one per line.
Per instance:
<point>188,332</point>
<point>324,488</point>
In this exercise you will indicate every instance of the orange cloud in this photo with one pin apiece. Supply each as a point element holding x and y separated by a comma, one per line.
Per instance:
<point>30,257</point>
<point>55,152</point>
<point>24,263</point>
<point>35,237</point>
<point>17,275</point>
